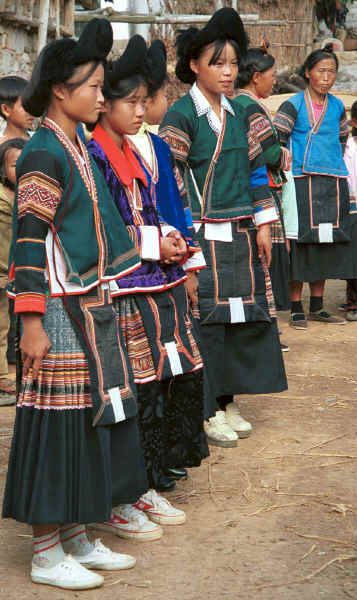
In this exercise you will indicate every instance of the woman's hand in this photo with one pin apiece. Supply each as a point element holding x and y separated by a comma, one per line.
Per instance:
<point>264,243</point>
<point>34,343</point>
<point>191,285</point>
<point>173,247</point>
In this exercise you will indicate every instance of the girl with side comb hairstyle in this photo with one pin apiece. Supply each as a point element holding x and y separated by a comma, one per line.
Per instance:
<point>152,305</point>
<point>223,173</point>
<point>75,450</point>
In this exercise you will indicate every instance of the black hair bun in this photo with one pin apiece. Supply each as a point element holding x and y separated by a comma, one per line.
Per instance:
<point>95,42</point>
<point>155,66</point>
<point>131,62</point>
<point>328,48</point>
<point>186,43</point>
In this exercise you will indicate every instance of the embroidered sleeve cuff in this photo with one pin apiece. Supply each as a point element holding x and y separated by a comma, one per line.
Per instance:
<point>150,242</point>
<point>263,216</point>
<point>195,262</point>
<point>285,155</point>
<point>30,302</point>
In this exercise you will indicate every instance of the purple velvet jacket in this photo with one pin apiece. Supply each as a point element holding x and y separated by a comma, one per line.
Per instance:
<point>151,276</point>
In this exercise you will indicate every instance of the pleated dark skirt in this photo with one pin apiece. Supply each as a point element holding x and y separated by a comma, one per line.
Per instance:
<point>242,359</point>
<point>314,262</point>
<point>61,468</point>
<point>171,411</point>
<point>280,261</point>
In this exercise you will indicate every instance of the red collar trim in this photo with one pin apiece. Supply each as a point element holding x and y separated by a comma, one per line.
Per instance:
<point>123,161</point>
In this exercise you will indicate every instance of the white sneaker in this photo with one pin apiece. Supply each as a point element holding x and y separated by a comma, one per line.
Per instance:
<point>159,510</point>
<point>103,558</point>
<point>236,421</point>
<point>130,523</point>
<point>219,433</point>
<point>68,574</point>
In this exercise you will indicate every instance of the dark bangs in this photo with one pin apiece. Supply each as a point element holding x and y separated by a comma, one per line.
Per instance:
<point>218,49</point>
<point>122,87</point>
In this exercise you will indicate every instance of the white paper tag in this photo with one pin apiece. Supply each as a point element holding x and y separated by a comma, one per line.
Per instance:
<point>219,232</point>
<point>197,226</point>
<point>325,233</point>
<point>113,286</point>
<point>150,242</point>
<point>117,404</point>
<point>174,358</point>
<point>237,310</point>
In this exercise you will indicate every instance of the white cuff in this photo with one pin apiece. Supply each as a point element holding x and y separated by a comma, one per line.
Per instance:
<point>150,242</point>
<point>166,229</point>
<point>196,261</point>
<point>268,215</point>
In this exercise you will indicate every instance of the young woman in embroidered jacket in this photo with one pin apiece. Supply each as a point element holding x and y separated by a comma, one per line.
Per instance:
<point>222,169</point>
<point>152,304</point>
<point>76,447</point>
<point>256,79</point>
<point>313,125</point>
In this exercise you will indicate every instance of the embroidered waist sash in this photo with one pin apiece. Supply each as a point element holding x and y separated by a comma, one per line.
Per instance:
<point>171,331</point>
<point>323,207</point>
<point>112,386</point>
<point>235,287</point>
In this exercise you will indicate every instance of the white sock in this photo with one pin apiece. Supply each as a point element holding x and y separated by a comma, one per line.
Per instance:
<point>47,550</point>
<point>74,540</point>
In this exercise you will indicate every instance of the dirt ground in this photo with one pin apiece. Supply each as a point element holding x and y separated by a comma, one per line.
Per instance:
<point>274,518</point>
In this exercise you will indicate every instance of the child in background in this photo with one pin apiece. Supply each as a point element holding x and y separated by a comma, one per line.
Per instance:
<point>9,153</point>
<point>351,163</point>
<point>18,121</point>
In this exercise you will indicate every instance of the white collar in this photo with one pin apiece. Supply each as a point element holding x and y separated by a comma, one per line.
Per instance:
<point>203,107</point>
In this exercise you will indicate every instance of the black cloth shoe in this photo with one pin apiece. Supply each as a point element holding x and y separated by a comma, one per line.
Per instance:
<point>166,484</point>
<point>177,473</point>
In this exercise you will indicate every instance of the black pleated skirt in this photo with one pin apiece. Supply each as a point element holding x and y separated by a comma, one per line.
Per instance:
<point>280,261</point>
<point>61,468</point>
<point>242,359</point>
<point>315,262</point>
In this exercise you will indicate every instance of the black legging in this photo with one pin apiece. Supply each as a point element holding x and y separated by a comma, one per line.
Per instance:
<point>222,401</point>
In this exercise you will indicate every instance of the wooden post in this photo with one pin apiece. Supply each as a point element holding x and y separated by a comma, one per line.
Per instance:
<point>58,19</point>
<point>42,30</point>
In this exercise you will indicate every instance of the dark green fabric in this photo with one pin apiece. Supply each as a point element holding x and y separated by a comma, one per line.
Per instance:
<point>74,218</point>
<point>228,194</point>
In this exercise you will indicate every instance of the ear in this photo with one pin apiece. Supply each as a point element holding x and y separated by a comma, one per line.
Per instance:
<point>6,110</point>
<point>194,66</point>
<point>307,74</point>
<point>58,91</point>
<point>256,77</point>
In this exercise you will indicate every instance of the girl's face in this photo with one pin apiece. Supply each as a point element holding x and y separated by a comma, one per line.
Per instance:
<point>218,78</point>
<point>322,76</point>
<point>83,103</point>
<point>126,115</point>
<point>264,82</point>
<point>156,106</point>
<point>10,164</point>
<point>17,115</point>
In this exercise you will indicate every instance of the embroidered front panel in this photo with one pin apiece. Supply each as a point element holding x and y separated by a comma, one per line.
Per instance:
<point>63,383</point>
<point>136,340</point>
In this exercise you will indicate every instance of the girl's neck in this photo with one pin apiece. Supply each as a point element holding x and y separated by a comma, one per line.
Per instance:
<point>68,126</point>
<point>118,138</point>
<point>213,99</point>
<point>250,87</point>
<point>12,131</point>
